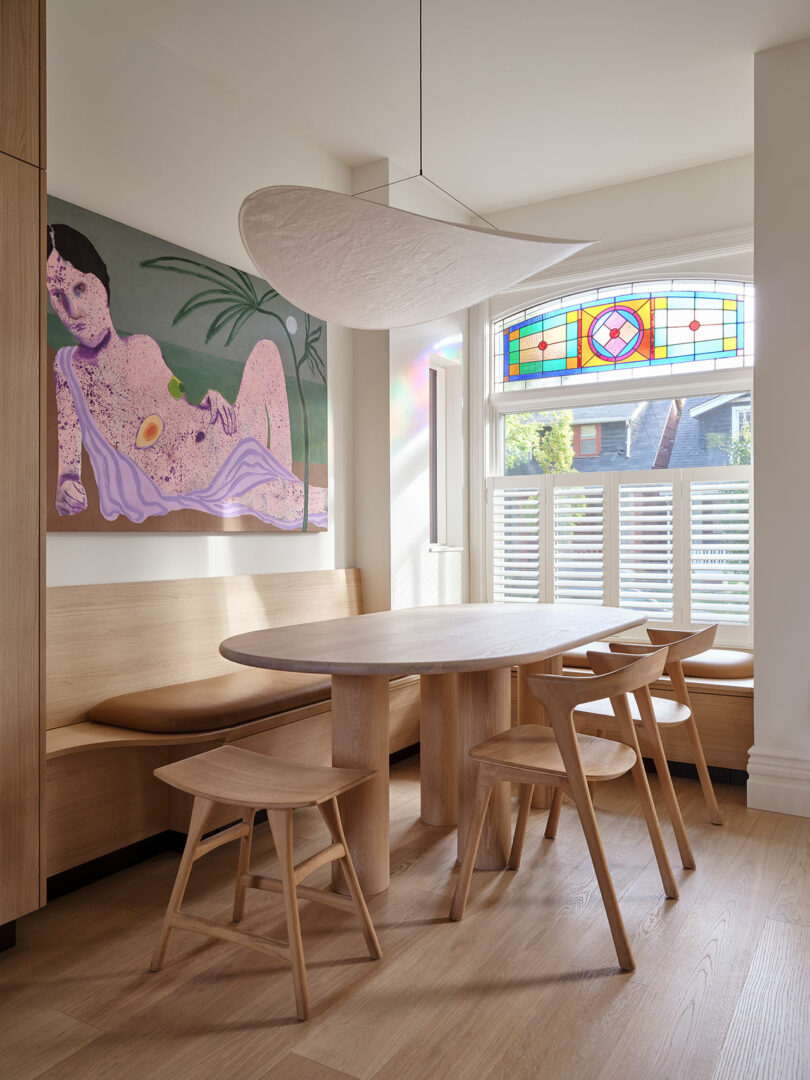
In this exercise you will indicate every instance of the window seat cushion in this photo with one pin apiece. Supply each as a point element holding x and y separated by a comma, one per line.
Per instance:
<point>208,704</point>
<point>713,664</point>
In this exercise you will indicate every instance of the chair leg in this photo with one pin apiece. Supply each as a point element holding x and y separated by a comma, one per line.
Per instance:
<point>668,790</point>
<point>554,813</point>
<point>199,815</point>
<point>567,741</point>
<point>627,732</point>
<point>281,826</point>
<point>483,791</point>
<point>703,772</point>
<point>524,806</point>
<point>654,828</point>
<point>331,815</point>
<point>245,846</point>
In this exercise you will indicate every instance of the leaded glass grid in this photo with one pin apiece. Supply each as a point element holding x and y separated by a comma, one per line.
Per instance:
<point>626,331</point>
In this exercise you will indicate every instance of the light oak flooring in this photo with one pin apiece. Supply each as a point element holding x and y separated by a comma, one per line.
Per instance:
<point>526,987</point>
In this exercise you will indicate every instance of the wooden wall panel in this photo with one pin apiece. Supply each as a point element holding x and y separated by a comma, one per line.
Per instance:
<point>104,640</point>
<point>103,801</point>
<point>20,79</point>
<point>19,537</point>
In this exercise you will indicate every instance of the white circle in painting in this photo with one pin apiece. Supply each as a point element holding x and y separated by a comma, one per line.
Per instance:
<point>292,323</point>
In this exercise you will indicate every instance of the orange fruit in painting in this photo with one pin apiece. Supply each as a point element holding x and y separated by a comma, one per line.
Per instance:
<point>150,431</point>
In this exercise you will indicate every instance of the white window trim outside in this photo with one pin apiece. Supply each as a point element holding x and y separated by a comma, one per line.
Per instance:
<point>737,413</point>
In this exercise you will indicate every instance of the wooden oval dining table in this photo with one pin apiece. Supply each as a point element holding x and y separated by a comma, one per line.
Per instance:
<point>464,654</point>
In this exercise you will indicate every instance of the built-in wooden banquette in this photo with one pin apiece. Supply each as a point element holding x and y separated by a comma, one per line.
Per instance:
<point>146,654</point>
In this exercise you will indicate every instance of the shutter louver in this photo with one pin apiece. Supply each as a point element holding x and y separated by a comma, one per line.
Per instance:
<point>579,544</point>
<point>720,550</point>
<point>515,544</point>
<point>646,549</point>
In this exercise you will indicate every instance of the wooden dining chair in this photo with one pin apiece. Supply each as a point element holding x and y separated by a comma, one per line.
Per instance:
<point>235,777</point>
<point>653,712</point>
<point>557,756</point>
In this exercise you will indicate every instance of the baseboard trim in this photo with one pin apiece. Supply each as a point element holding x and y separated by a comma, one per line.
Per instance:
<point>779,783</point>
<point>687,769</point>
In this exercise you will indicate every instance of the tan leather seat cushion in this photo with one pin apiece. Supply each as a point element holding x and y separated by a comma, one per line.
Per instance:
<point>207,704</point>
<point>713,664</point>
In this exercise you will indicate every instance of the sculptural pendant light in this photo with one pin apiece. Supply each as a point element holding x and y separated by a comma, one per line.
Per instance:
<point>374,267</point>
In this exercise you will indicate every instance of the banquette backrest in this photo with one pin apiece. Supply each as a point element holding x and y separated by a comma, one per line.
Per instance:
<point>104,640</point>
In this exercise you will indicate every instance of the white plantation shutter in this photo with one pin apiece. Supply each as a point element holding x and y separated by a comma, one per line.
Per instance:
<point>579,548</point>
<point>515,542</point>
<point>646,549</point>
<point>720,548</point>
<point>672,544</point>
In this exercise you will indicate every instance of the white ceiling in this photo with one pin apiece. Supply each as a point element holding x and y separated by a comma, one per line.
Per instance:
<point>523,99</point>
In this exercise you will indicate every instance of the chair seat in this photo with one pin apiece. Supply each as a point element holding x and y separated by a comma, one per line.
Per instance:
<point>533,747</point>
<point>667,711</point>
<point>242,778</point>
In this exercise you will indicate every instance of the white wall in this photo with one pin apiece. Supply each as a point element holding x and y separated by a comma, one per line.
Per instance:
<point>419,575</point>
<point>139,135</point>
<point>780,761</point>
<point>690,202</point>
<point>391,441</point>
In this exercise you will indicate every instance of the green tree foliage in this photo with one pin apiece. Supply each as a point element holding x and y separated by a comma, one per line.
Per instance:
<point>557,445</point>
<point>546,439</point>
<point>739,449</point>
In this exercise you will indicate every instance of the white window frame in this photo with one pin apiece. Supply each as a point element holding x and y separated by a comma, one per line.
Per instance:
<point>497,404</point>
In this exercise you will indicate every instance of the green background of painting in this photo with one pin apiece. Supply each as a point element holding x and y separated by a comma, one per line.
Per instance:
<point>145,301</point>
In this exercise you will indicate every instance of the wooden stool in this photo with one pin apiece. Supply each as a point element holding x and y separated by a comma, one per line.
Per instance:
<point>532,754</point>
<point>240,778</point>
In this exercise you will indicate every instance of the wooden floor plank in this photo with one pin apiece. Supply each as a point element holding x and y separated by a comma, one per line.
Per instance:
<point>295,1067</point>
<point>33,1038</point>
<point>769,1036</point>
<point>792,900</point>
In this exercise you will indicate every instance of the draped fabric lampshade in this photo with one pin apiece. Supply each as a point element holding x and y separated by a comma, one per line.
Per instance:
<point>375,267</point>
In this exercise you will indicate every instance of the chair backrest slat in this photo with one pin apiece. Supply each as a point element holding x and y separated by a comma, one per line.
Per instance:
<point>568,691</point>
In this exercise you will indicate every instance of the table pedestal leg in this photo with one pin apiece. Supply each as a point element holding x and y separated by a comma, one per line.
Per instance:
<point>360,741</point>
<point>438,753</point>
<point>530,711</point>
<point>484,708</point>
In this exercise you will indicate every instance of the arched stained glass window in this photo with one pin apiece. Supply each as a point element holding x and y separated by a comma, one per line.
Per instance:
<point>646,328</point>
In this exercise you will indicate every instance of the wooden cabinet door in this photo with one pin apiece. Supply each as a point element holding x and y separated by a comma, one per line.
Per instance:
<point>21,80</point>
<point>19,536</point>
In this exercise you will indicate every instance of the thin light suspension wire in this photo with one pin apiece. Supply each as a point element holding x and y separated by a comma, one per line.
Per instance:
<point>421,172</point>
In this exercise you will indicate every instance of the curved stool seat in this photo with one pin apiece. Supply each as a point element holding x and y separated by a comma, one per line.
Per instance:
<point>235,777</point>
<point>242,778</point>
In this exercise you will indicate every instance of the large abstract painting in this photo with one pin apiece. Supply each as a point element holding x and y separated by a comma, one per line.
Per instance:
<point>184,394</point>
